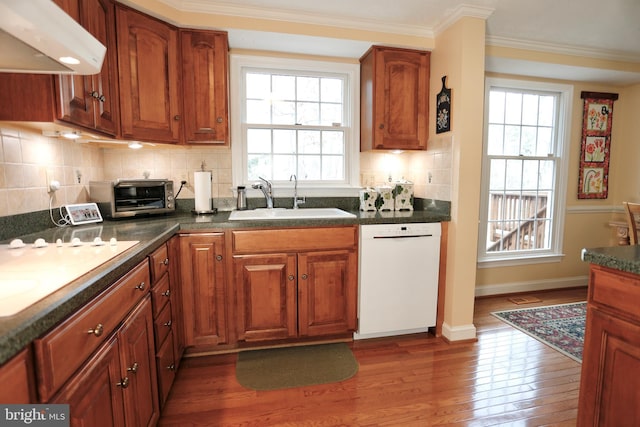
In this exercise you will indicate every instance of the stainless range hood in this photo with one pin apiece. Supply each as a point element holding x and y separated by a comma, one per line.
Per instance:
<point>36,36</point>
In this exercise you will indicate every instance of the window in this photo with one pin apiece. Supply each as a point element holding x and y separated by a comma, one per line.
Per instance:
<point>295,117</point>
<point>524,170</point>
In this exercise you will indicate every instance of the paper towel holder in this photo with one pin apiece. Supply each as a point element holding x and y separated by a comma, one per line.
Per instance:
<point>204,211</point>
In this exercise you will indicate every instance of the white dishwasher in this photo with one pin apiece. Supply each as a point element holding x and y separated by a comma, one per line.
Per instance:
<point>398,278</point>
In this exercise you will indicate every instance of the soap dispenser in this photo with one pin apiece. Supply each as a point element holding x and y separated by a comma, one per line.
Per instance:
<point>241,204</point>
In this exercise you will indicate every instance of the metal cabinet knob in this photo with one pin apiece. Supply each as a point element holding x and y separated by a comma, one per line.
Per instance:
<point>166,261</point>
<point>124,383</point>
<point>133,368</point>
<point>172,367</point>
<point>291,277</point>
<point>167,293</point>
<point>219,120</point>
<point>176,117</point>
<point>97,331</point>
<point>168,324</point>
<point>98,96</point>
<point>140,286</point>
<point>381,126</point>
<point>219,257</point>
<point>304,277</point>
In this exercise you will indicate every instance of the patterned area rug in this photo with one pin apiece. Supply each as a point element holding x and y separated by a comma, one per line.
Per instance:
<point>559,326</point>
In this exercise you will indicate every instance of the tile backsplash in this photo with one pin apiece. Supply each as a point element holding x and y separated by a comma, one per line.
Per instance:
<point>29,160</point>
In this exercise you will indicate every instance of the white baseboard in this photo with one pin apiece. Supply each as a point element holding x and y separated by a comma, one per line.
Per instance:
<point>459,333</point>
<point>533,285</point>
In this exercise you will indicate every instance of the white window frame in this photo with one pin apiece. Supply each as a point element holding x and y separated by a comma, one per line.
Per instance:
<point>562,142</point>
<point>351,184</point>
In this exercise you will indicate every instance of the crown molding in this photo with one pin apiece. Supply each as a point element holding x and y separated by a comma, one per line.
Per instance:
<point>462,11</point>
<point>561,49</point>
<point>228,9</point>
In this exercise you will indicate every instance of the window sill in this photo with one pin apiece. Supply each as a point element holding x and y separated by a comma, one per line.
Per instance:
<point>520,260</point>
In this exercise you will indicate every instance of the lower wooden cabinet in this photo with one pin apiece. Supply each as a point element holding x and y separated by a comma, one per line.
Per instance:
<point>295,293</point>
<point>117,385</point>
<point>610,384</point>
<point>17,379</point>
<point>203,275</point>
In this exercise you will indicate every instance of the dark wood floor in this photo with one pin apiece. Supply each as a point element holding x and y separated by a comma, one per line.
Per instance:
<point>505,378</point>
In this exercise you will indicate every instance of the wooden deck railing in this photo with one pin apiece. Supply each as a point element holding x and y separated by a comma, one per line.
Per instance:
<point>517,221</point>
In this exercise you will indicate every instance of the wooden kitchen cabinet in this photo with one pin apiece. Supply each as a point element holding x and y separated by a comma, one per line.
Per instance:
<point>149,77</point>
<point>204,299</point>
<point>295,282</point>
<point>205,87</point>
<point>167,318</point>
<point>609,384</point>
<point>394,99</point>
<point>117,385</point>
<point>17,379</point>
<point>92,101</point>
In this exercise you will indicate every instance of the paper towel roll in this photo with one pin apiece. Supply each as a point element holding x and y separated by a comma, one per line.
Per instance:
<point>202,190</point>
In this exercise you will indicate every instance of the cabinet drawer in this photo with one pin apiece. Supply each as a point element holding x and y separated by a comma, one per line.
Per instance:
<point>160,295</point>
<point>615,289</point>
<point>163,324</point>
<point>63,350</point>
<point>166,368</point>
<point>294,239</point>
<point>159,261</point>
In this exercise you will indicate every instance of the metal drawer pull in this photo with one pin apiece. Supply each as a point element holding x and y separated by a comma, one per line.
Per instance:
<point>124,383</point>
<point>167,293</point>
<point>133,368</point>
<point>304,277</point>
<point>166,261</point>
<point>97,331</point>
<point>172,367</point>
<point>290,277</point>
<point>141,286</point>
<point>168,324</point>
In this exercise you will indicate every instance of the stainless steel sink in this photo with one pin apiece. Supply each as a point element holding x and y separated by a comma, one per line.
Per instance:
<point>281,213</point>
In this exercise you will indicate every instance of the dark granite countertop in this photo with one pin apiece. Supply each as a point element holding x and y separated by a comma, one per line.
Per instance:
<point>19,330</point>
<point>623,258</point>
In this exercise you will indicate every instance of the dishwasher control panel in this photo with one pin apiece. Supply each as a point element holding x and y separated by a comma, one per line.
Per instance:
<point>400,230</point>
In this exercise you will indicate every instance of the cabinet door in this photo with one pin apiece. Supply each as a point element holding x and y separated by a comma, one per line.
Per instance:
<point>138,367</point>
<point>266,296</point>
<point>92,101</point>
<point>149,77</point>
<point>395,96</point>
<point>17,379</point>
<point>204,76</point>
<point>609,394</point>
<point>327,292</point>
<point>94,394</point>
<point>203,288</point>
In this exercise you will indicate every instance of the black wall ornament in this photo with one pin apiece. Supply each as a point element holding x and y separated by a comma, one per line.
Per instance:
<point>443,109</point>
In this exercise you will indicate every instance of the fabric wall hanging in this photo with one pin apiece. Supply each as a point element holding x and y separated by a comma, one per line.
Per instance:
<point>596,144</point>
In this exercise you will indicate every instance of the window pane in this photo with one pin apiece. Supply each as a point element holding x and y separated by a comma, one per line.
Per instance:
<point>530,175</point>
<point>284,141</point>
<point>308,89</point>
<point>528,141</point>
<point>284,88</point>
<point>309,167</point>
<point>496,106</point>
<point>331,90</point>
<point>258,112</point>
<point>258,165</point>
<point>513,108</point>
<point>546,175</point>
<point>283,166</point>
<point>308,113</point>
<point>333,142</point>
<point>512,140</point>
<point>496,134</point>
<point>330,114</point>
<point>332,168</point>
<point>496,180</point>
<point>547,111</point>
<point>544,141</point>
<point>258,86</point>
<point>258,140</point>
<point>514,174</point>
<point>308,142</point>
<point>284,113</point>
<point>530,110</point>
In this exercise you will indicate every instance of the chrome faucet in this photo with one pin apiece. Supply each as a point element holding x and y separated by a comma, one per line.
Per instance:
<point>267,190</point>
<point>296,201</point>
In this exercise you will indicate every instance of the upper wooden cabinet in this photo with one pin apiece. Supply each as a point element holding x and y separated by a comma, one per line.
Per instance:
<point>149,72</point>
<point>394,99</point>
<point>92,101</point>
<point>205,88</point>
